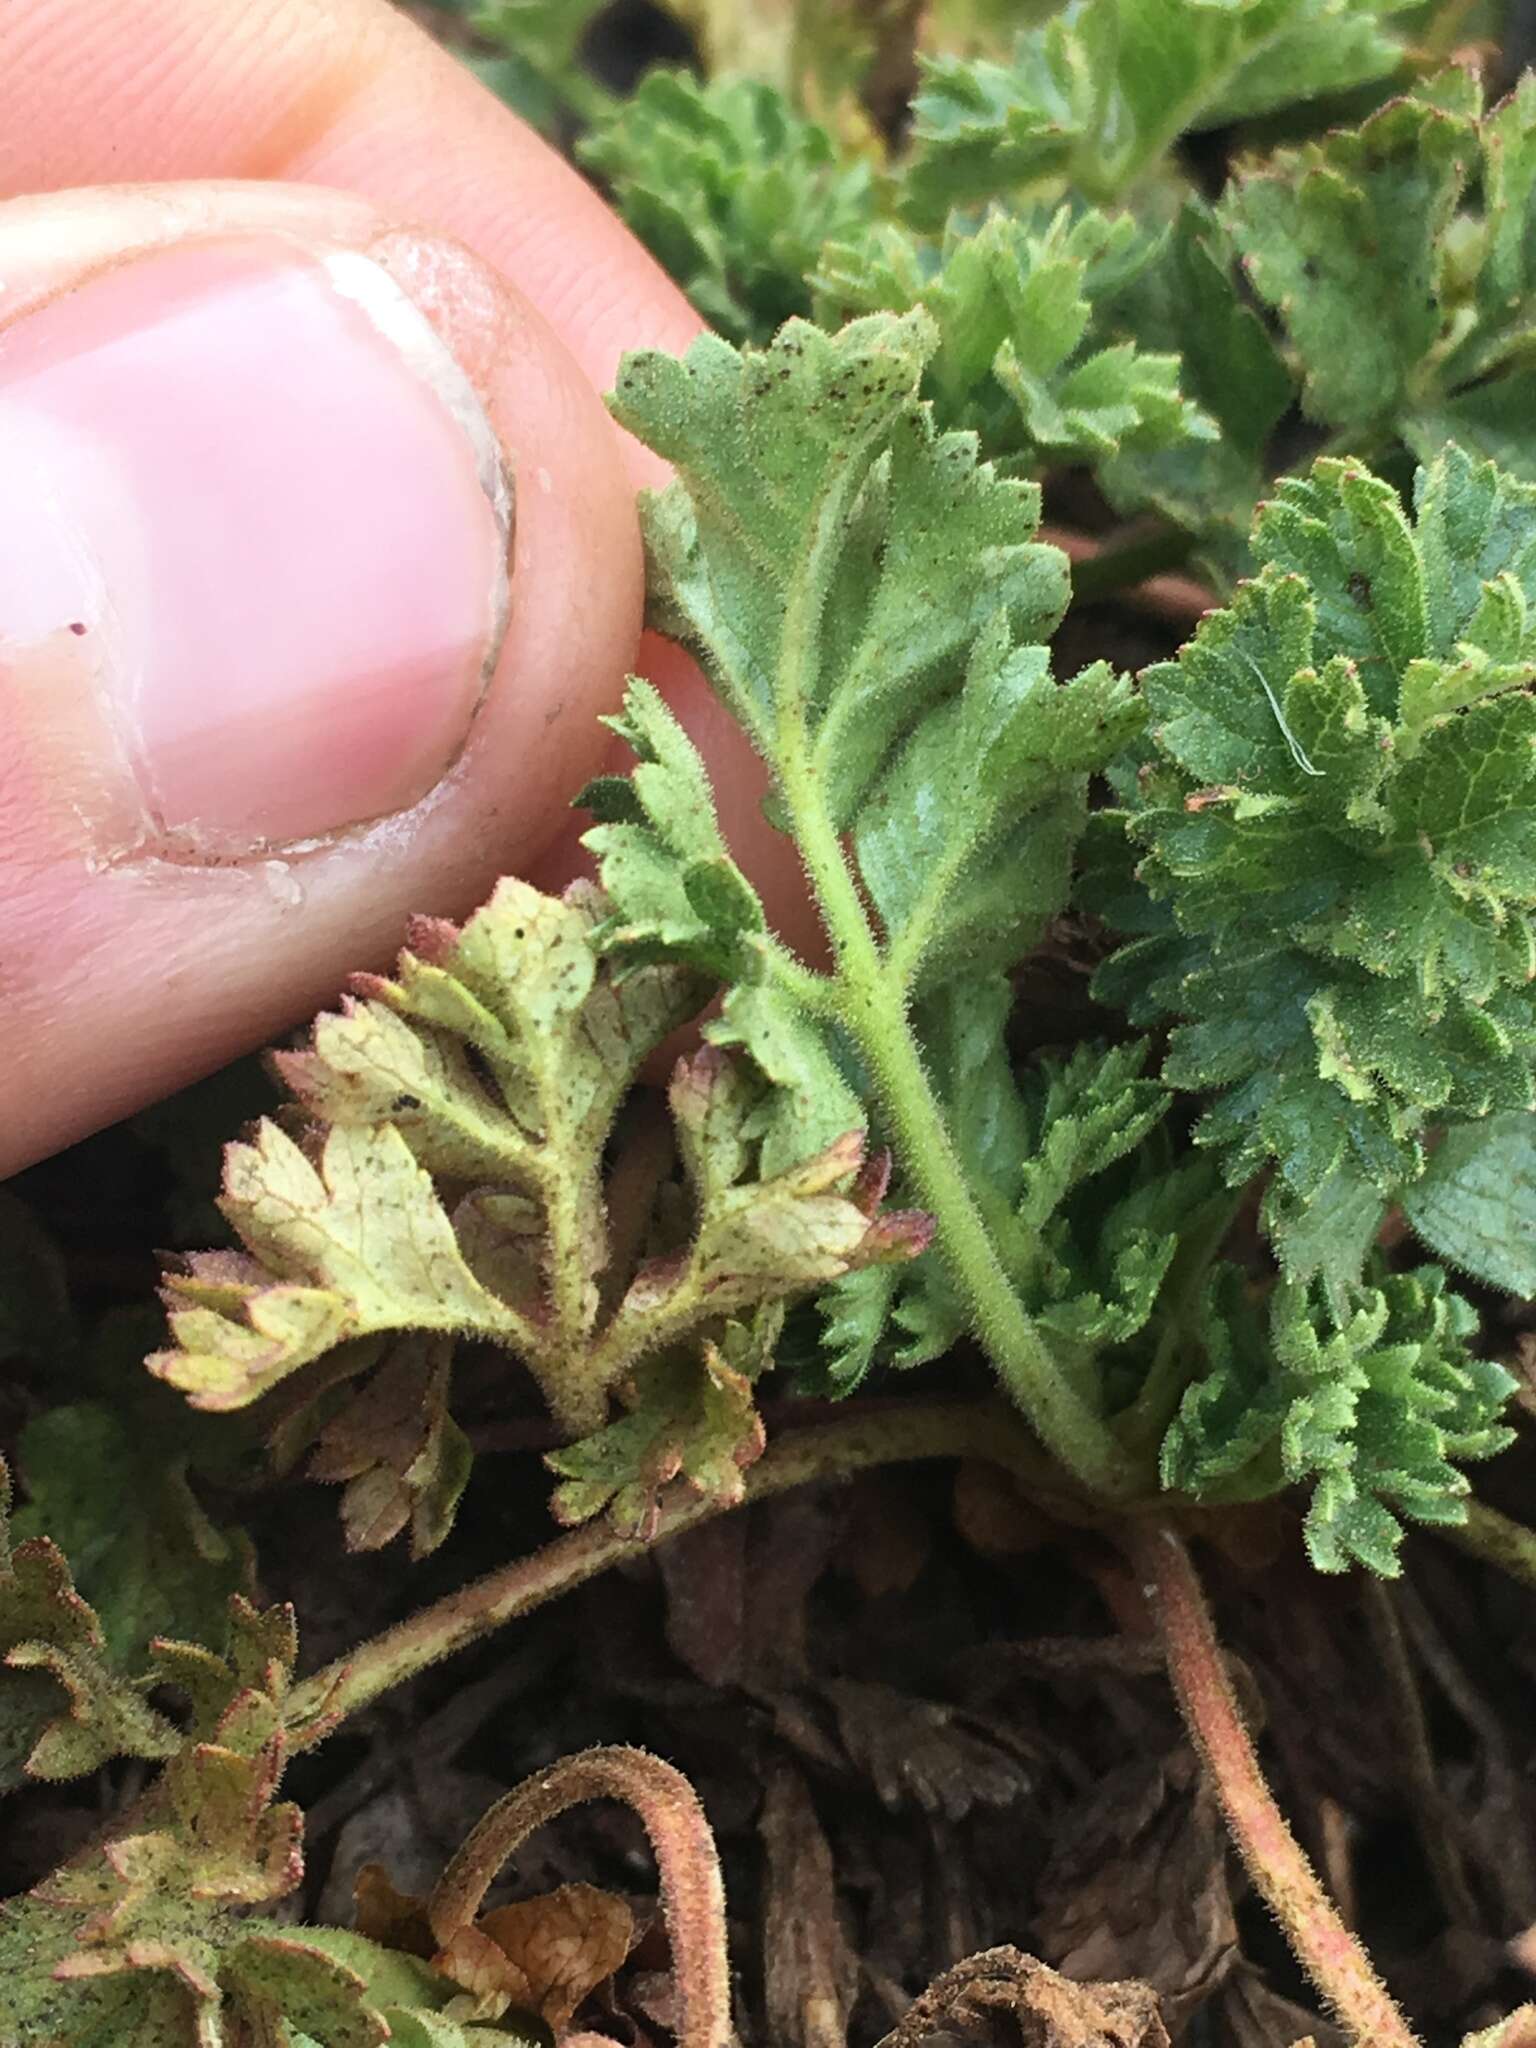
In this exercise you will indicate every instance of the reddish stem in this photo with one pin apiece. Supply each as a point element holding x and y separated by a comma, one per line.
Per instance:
<point>856,1441</point>
<point>692,1895</point>
<point>1281,1874</point>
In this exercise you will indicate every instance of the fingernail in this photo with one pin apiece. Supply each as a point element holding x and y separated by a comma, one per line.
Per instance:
<point>254,531</point>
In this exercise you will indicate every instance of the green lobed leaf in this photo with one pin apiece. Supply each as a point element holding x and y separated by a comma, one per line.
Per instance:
<point>1345,238</point>
<point>1088,1260</point>
<point>1371,1399</point>
<point>1475,1205</point>
<point>1337,815</point>
<point>855,1314</point>
<point>140,1547</point>
<point>677,893</point>
<point>66,1706</point>
<point>460,1184</point>
<point>1025,356</point>
<point>903,693</point>
<point>731,191</point>
<point>756,1241</point>
<point>132,1933</point>
<point>149,1938</point>
<point>1097,94</point>
<point>964,862</point>
<point>773,448</point>
<point>907,694</point>
<point>756,1237</point>
<point>497,1058</point>
<point>693,1420</point>
<point>1330,1233</point>
<point>351,1243</point>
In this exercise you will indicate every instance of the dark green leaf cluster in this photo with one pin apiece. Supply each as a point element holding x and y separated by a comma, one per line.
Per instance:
<point>1394,257</point>
<point>67,1706</point>
<point>1337,832</point>
<point>1399,258</point>
<point>1087,1249</point>
<point>732,192</point>
<point>1365,1399</point>
<point>1025,358</point>
<point>1186,302</point>
<point>140,1546</point>
<point>1095,95</point>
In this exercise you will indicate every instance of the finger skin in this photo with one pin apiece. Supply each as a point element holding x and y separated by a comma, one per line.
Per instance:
<point>332,92</point>
<point>119,981</point>
<point>345,94</point>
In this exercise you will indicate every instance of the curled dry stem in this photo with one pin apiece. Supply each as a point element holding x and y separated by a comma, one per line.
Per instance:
<point>692,1894</point>
<point>1278,1866</point>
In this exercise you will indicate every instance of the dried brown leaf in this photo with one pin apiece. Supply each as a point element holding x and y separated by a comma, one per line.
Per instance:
<point>484,1971</point>
<point>563,1945</point>
<point>888,1544</point>
<point>1137,1886</point>
<point>1254,2015</point>
<point>925,1753</point>
<point>402,1457</point>
<point>394,1919</point>
<point>1006,1999</point>
<point>792,1542</point>
<point>810,1973</point>
<point>704,1573</point>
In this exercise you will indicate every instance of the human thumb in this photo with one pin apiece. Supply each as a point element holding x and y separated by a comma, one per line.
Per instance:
<point>319,559</point>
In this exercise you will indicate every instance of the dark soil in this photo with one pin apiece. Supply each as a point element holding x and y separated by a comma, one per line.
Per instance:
<point>925,1721</point>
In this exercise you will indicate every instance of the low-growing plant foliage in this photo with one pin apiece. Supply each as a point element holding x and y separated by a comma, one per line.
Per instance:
<point>1237,1239</point>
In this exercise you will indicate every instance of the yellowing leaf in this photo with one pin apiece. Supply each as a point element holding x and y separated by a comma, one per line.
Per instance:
<point>349,1244</point>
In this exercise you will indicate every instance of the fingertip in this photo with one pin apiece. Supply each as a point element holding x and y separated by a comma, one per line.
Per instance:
<point>309,697</point>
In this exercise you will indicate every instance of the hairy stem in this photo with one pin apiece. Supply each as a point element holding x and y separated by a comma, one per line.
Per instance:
<point>692,1894</point>
<point>830,1451</point>
<point>1496,1539</point>
<point>872,1006</point>
<point>1281,1874</point>
<point>873,1012</point>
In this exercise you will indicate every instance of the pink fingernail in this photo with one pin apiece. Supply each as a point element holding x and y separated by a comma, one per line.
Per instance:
<point>254,530</point>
